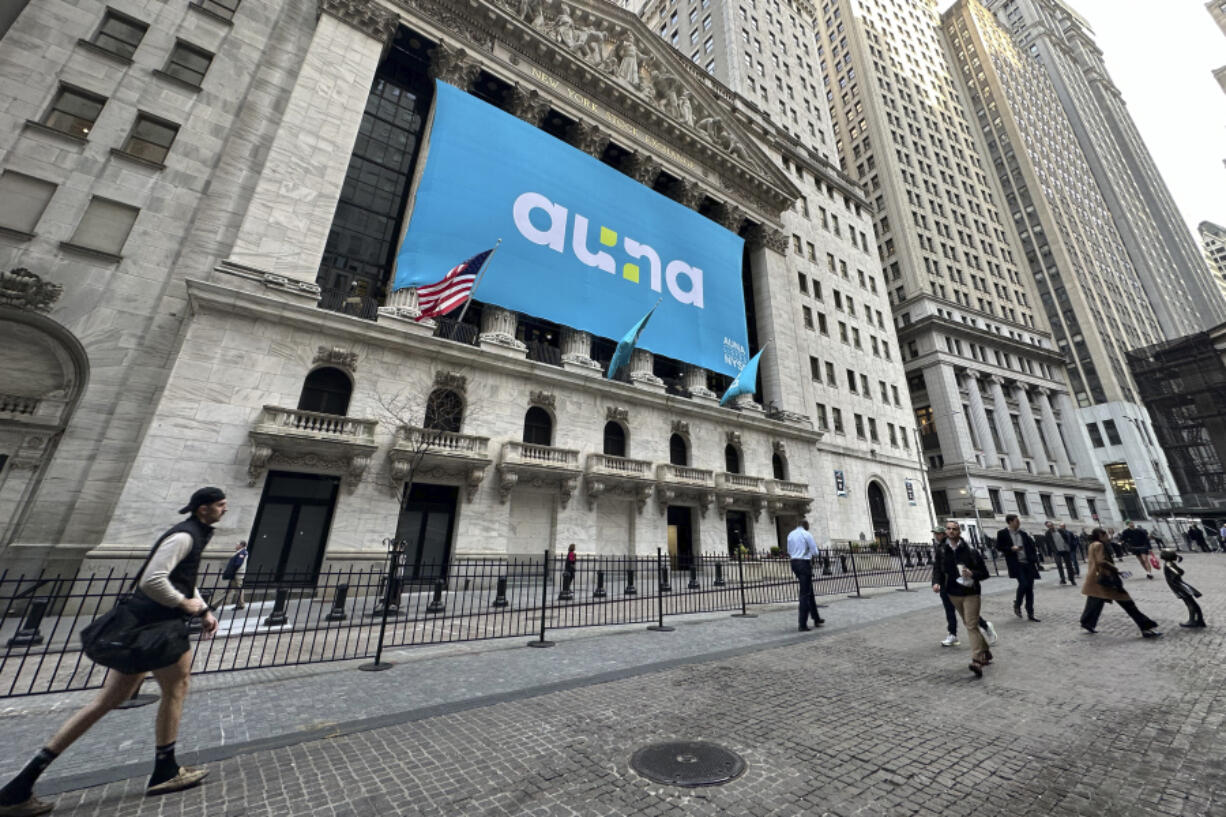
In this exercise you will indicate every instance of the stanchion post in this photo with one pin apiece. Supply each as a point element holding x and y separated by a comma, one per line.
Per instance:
<point>903,569</point>
<point>541,642</point>
<point>855,576</point>
<point>740,573</point>
<point>661,580</point>
<point>390,585</point>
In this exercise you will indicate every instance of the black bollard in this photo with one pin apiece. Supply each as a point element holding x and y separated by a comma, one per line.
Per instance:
<point>500,600</point>
<point>436,604</point>
<point>28,634</point>
<point>693,585</point>
<point>599,592</point>
<point>825,565</point>
<point>566,594</point>
<point>908,555</point>
<point>842,563</point>
<point>337,613</point>
<point>719,575</point>
<point>665,585</point>
<point>631,590</point>
<point>278,616</point>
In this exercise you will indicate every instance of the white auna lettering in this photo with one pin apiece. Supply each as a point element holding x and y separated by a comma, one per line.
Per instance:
<point>675,273</point>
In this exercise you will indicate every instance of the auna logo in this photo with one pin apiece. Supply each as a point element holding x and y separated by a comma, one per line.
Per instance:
<point>554,237</point>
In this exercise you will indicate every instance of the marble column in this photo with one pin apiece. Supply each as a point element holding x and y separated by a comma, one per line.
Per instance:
<point>1082,461</point>
<point>979,417</point>
<point>498,330</point>
<point>641,363</point>
<point>1000,406</point>
<point>577,350</point>
<point>286,225</point>
<point>947,414</point>
<point>696,383</point>
<point>1030,430</point>
<point>1052,430</point>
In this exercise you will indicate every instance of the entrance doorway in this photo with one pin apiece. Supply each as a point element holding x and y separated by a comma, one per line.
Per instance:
<point>880,513</point>
<point>291,528</point>
<point>737,523</point>
<point>426,522</point>
<point>681,536</point>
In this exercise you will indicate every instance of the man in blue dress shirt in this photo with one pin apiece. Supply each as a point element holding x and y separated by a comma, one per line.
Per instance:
<point>802,548</point>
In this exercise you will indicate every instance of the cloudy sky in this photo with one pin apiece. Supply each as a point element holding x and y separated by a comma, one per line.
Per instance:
<point>1161,55</point>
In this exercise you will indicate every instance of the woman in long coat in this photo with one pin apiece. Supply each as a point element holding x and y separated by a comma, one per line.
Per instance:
<point>1099,563</point>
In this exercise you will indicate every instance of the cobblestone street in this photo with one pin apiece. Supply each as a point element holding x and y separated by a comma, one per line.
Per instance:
<point>869,716</point>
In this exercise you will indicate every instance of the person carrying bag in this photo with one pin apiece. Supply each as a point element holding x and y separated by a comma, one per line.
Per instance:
<point>145,632</point>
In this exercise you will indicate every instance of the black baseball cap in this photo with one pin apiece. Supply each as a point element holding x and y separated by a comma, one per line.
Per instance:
<point>203,496</point>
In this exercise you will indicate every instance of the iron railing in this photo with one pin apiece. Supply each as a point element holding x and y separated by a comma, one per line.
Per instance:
<point>338,615</point>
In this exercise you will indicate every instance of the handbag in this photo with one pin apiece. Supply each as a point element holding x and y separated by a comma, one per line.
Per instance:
<point>1153,561</point>
<point>1110,580</point>
<point>134,636</point>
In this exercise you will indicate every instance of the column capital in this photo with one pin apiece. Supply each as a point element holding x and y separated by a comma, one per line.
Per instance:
<point>691,194</point>
<point>454,66</point>
<point>730,216</point>
<point>760,235</point>
<point>996,380</point>
<point>643,169</point>
<point>529,105</point>
<point>590,138</point>
<point>366,16</point>
<point>1043,391</point>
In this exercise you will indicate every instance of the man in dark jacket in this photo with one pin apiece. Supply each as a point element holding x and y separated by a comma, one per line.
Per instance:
<point>1197,537</point>
<point>166,592</point>
<point>1022,558</point>
<point>1136,541</point>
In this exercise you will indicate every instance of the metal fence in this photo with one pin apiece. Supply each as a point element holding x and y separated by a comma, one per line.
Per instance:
<point>347,614</point>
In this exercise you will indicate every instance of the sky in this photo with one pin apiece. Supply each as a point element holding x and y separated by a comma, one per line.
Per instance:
<point>1161,56</point>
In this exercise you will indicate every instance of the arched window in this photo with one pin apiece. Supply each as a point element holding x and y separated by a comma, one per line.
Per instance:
<point>678,451</point>
<point>326,391</point>
<point>732,459</point>
<point>614,439</point>
<point>779,466</point>
<point>444,411</point>
<point>538,427</point>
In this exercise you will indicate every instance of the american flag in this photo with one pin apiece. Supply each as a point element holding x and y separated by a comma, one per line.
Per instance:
<point>443,296</point>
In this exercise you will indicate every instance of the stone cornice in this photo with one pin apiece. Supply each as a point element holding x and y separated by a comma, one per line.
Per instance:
<point>340,329</point>
<point>651,98</point>
<point>367,16</point>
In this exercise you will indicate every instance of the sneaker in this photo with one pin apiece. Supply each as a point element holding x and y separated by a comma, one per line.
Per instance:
<point>27,808</point>
<point>950,641</point>
<point>185,779</point>
<point>989,632</point>
<point>1150,634</point>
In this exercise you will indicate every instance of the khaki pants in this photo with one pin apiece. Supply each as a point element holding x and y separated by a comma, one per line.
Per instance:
<point>968,608</point>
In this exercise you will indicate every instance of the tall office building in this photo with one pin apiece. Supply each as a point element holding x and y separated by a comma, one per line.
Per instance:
<point>1217,8</point>
<point>1213,240</point>
<point>1166,258</point>
<point>1089,289</point>
<point>998,425</point>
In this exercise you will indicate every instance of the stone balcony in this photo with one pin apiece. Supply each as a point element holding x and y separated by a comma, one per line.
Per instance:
<point>788,496</point>
<point>329,442</point>
<point>740,489</point>
<point>605,474</point>
<point>681,481</point>
<point>538,465</point>
<point>418,451</point>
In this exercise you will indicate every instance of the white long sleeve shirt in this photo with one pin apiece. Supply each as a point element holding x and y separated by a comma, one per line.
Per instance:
<point>155,582</point>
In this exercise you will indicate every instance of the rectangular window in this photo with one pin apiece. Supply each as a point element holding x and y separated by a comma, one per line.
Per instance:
<point>815,368</point>
<point>885,396</point>
<point>821,323</point>
<point>836,415</point>
<point>872,430</point>
<point>808,316</point>
<point>150,138</point>
<point>864,387</point>
<point>893,435</point>
<point>803,282</point>
<point>119,34</point>
<point>105,226</point>
<point>822,423</point>
<point>859,426</point>
<point>1070,503</point>
<point>842,331</point>
<point>222,8</point>
<point>830,381</point>
<point>1022,508</point>
<point>1093,506</point>
<point>851,382</point>
<point>855,337</point>
<point>1049,509</point>
<point>74,112</point>
<point>1096,436</point>
<point>994,497</point>
<point>188,63</point>
<point>25,198</point>
<point>1113,434</point>
<point>894,395</point>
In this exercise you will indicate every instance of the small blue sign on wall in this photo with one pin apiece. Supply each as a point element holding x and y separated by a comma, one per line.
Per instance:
<point>583,245</point>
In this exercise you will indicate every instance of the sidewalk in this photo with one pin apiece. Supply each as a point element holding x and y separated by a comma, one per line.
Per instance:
<point>232,713</point>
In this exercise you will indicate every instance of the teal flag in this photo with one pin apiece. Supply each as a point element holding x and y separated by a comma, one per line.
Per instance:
<point>746,382</point>
<point>625,346</point>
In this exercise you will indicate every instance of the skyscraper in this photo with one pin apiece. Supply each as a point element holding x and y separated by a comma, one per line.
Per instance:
<point>1170,267</point>
<point>998,426</point>
<point>1213,239</point>
<point>1217,8</point>
<point>1090,291</point>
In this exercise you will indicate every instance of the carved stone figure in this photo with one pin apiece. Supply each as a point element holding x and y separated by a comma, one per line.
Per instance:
<point>685,109</point>
<point>628,62</point>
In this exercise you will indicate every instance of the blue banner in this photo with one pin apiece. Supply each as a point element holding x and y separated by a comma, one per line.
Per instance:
<point>583,245</point>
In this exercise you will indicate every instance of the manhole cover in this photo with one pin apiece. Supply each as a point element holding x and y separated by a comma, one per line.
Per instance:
<point>687,763</point>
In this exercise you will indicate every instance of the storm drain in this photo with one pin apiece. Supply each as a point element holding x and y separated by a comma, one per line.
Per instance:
<point>687,763</point>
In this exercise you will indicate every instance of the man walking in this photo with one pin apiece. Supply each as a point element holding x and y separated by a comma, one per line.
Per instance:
<point>1058,547</point>
<point>233,574</point>
<point>166,591</point>
<point>1197,537</point>
<point>1136,541</point>
<point>1022,558</point>
<point>1074,543</point>
<point>951,613</point>
<point>802,549</point>
<point>957,570</point>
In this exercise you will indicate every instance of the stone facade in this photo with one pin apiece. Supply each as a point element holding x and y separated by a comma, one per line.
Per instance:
<point>198,337</point>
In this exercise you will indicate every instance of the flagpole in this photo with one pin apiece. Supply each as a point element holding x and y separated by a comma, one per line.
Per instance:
<point>477,283</point>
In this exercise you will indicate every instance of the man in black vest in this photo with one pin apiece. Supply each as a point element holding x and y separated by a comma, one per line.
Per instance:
<point>166,591</point>
<point>1022,557</point>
